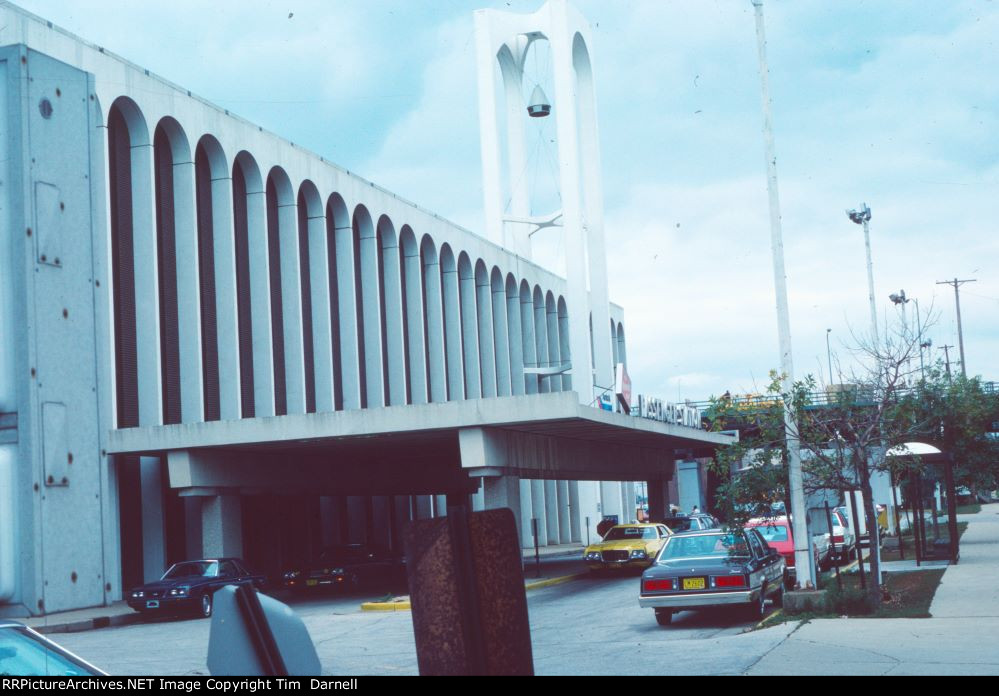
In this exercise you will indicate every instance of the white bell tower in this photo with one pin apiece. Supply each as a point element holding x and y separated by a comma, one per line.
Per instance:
<point>504,38</point>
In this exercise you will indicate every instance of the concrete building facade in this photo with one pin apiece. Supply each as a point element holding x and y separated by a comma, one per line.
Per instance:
<point>213,342</point>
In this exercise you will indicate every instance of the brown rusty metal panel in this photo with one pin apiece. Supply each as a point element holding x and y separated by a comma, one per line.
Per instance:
<point>467,591</point>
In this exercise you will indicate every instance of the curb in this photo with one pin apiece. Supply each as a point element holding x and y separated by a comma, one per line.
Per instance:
<point>89,624</point>
<point>405,605</point>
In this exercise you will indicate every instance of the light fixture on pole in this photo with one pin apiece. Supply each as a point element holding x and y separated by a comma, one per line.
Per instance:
<point>863,217</point>
<point>539,106</point>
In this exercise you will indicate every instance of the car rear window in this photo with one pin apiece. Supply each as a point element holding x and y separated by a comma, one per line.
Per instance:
<point>678,524</point>
<point>622,533</point>
<point>773,532</point>
<point>704,546</point>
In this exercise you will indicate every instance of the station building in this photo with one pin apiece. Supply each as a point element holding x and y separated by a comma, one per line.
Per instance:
<point>214,342</point>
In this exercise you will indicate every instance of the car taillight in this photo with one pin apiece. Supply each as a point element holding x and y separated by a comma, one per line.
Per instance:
<point>657,585</point>
<point>730,581</point>
<point>789,560</point>
<point>838,539</point>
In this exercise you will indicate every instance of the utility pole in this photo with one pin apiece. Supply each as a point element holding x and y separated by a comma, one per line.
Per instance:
<point>946,350</point>
<point>799,521</point>
<point>863,217</point>
<point>957,301</point>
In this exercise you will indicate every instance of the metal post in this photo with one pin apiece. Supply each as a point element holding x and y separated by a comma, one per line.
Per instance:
<point>955,553</point>
<point>802,560</point>
<point>832,540</point>
<point>537,550</point>
<point>870,273</point>
<point>587,531</point>
<point>898,519</point>
<point>957,302</point>
<point>829,356</point>
<point>856,529</point>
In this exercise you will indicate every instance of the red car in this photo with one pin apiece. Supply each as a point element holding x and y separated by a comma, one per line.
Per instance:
<point>778,535</point>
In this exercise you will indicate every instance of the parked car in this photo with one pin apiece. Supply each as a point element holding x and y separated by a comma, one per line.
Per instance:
<point>691,522</point>
<point>188,586</point>
<point>626,546</point>
<point>697,570</point>
<point>348,566</point>
<point>777,532</point>
<point>27,653</point>
<point>843,539</point>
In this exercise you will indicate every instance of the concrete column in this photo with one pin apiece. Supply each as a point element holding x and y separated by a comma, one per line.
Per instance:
<point>516,338</point>
<point>469,334</point>
<point>539,511</point>
<point>222,526</point>
<point>395,347</point>
<point>551,512</point>
<point>501,337</point>
<point>192,402</point>
<point>526,540</point>
<point>347,315</point>
<point>290,261</point>
<point>260,303</point>
<point>529,346</point>
<point>589,510</point>
<point>322,315</point>
<point>383,521</point>
<point>657,500</point>
<point>193,527</point>
<point>541,339</point>
<point>226,304</point>
<point>452,331</point>
<point>371,306</point>
<point>564,526</point>
<point>688,481</point>
<point>153,532</point>
<point>503,492</point>
<point>628,501</point>
<point>575,518</point>
<point>563,342</point>
<point>417,341</point>
<point>433,292</point>
<point>610,499</point>
<point>479,497</point>
<point>329,521</point>
<point>440,506</point>
<point>554,346</point>
<point>147,298</point>
<point>484,317</point>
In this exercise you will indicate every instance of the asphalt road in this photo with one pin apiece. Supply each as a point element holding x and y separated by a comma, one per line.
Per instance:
<point>588,626</point>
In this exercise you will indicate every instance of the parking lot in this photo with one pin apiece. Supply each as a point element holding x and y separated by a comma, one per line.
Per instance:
<point>587,626</point>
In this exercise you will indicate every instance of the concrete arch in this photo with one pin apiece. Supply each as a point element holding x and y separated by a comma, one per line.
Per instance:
<point>179,307</point>
<point>368,309</point>
<point>622,352</point>
<point>614,351</point>
<point>134,245</point>
<point>554,346</point>
<point>394,367</point>
<point>217,265</point>
<point>563,341</point>
<point>515,338</point>
<point>317,337</point>
<point>414,322</point>
<point>529,345</point>
<point>541,338</point>
<point>433,321</point>
<point>501,333</point>
<point>256,348</point>
<point>469,327</point>
<point>343,304</point>
<point>453,330</point>
<point>484,322</point>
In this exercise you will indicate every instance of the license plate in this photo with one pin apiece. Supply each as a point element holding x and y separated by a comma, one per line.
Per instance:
<point>153,604</point>
<point>693,583</point>
<point>311,583</point>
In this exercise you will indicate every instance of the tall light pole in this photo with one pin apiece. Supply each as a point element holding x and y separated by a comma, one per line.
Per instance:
<point>829,356</point>
<point>863,217</point>
<point>802,558</point>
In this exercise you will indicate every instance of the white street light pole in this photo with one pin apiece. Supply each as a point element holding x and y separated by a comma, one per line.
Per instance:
<point>802,558</point>
<point>863,217</point>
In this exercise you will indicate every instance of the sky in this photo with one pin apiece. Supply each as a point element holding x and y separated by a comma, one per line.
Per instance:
<point>893,103</point>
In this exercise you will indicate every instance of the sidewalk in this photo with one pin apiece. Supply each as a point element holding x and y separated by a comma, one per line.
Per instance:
<point>116,614</point>
<point>960,639</point>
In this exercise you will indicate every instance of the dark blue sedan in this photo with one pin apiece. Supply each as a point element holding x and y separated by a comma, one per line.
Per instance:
<point>189,586</point>
<point>711,568</point>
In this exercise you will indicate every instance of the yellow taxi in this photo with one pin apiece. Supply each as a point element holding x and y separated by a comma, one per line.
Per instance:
<point>627,546</point>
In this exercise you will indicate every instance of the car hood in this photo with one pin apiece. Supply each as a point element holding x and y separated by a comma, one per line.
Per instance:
<point>171,584</point>
<point>620,545</point>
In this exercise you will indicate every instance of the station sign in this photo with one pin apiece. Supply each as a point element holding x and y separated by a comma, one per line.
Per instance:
<point>667,412</point>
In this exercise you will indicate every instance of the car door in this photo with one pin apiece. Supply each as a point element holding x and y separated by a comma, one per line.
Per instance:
<point>769,558</point>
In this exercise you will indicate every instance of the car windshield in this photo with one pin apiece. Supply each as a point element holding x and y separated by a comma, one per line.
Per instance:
<point>773,532</point>
<point>628,533</point>
<point>704,546</point>
<point>678,524</point>
<point>23,654</point>
<point>193,569</point>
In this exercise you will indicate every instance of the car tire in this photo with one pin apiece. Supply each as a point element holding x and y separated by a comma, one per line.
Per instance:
<point>206,605</point>
<point>664,617</point>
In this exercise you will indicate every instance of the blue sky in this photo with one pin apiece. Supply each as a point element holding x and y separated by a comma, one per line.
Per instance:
<point>892,103</point>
